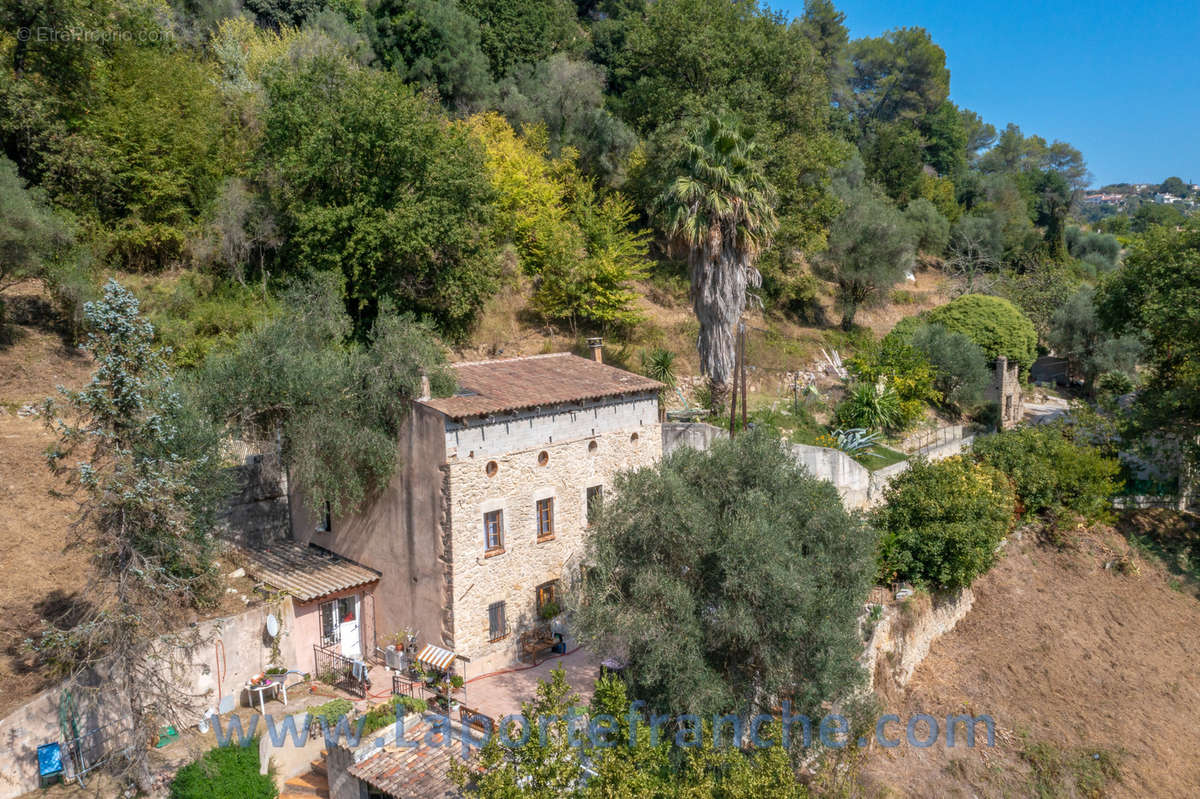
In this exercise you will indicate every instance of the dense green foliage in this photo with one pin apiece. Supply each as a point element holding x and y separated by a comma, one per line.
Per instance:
<point>337,403</point>
<point>227,772</point>
<point>623,764</point>
<point>1153,296</point>
<point>993,323</point>
<point>870,246</point>
<point>941,522</point>
<point>279,139</point>
<point>729,577</point>
<point>960,371</point>
<point>374,186</point>
<point>1050,471</point>
<point>905,370</point>
<point>871,406</point>
<point>34,241</point>
<point>1076,334</point>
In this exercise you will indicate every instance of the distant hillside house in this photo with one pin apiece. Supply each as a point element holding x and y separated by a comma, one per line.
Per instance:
<point>483,525</point>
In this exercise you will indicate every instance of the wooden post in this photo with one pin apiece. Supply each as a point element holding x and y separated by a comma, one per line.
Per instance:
<point>733,393</point>
<point>742,361</point>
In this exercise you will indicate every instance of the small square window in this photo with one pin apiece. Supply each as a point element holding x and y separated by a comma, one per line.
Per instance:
<point>497,622</point>
<point>545,519</point>
<point>493,531</point>
<point>547,599</point>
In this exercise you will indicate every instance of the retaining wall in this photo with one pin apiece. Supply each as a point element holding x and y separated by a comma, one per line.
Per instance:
<point>247,651</point>
<point>858,486</point>
<point>905,632</point>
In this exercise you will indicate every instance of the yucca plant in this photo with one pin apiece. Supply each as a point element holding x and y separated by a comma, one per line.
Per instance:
<point>870,406</point>
<point>659,364</point>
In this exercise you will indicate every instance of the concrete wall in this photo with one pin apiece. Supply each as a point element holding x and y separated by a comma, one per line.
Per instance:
<point>533,428</point>
<point>689,434</point>
<point>397,533</point>
<point>851,479</point>
<point>858,486</point>
<point>518,482</point>
<point>202,676</point>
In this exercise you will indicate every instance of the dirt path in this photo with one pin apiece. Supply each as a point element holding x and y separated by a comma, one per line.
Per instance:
<point>1080,666</point>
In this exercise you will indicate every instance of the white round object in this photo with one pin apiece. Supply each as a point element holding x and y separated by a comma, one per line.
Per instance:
<point>227,703</point>
<point>272,625</point>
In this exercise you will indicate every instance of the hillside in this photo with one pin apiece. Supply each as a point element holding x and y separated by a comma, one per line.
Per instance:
<point>1083,657</point>
<point>42,577</point>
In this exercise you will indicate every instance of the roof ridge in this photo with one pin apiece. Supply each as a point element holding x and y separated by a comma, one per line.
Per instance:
<point>514,358</point>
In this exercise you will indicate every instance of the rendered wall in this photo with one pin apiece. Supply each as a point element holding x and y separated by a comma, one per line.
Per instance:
<point>397,533</point>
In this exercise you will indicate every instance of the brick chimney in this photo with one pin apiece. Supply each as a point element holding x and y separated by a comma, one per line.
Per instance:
<point>597,345</point>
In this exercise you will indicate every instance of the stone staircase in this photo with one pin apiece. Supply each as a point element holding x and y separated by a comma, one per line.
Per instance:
<point>312,783</point>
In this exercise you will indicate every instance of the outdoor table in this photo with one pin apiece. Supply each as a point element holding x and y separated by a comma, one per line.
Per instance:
<point>262,689</point>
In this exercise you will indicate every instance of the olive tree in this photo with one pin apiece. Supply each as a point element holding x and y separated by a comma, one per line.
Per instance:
<point>728,579</point>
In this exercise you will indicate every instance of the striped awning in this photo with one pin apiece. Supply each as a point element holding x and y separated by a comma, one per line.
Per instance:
<point>435,657</point>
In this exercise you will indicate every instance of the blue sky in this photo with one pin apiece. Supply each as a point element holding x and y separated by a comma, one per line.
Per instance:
<point>1120,81</point>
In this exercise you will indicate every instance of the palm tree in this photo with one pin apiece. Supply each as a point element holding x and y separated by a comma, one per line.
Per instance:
<point>721,208</point>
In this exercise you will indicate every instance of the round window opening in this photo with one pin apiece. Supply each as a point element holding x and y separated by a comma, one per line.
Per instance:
<point>633,438</point>
<point>593,446</point>
<point>491,468</point>
<point>543,458</point>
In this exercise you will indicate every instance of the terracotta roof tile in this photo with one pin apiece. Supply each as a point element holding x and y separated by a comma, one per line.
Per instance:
<point>515,384</point>
<point>406,773</point>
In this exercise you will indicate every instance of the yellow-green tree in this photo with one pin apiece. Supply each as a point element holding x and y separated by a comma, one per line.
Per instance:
<point>578,244</point>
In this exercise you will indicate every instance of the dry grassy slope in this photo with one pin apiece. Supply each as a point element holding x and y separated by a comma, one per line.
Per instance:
<point>1072,660</point>
<point>776,343</point>
<point>39,572</point>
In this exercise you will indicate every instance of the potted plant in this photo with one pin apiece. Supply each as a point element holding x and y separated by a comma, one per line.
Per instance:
<point>550,610</point>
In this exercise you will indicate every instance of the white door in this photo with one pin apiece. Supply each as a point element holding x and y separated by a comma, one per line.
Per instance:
<point>348,627</point>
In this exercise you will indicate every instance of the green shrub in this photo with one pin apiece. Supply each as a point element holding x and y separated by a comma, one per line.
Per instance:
<point>929,226</point>
<point>960,367</point>
<point>227,772</point>
<point>905,370</point>
<point>330,712</point>
<point>1050,471</point>
<point>942,522</point>
<point>869,407</point>
<point>994,323</point>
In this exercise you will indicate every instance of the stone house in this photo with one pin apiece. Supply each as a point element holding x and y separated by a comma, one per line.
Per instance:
<point>482,526</point>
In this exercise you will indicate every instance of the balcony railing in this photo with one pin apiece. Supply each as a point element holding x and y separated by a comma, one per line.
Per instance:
<point>341,672</point>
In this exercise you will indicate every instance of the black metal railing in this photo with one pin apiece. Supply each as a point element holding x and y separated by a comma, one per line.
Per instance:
<point>340,671</point>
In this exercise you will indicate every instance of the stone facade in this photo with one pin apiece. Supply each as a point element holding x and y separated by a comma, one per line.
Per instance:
<point>1005,391</point>
<point>561,465</point>
<point>518,431</point>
